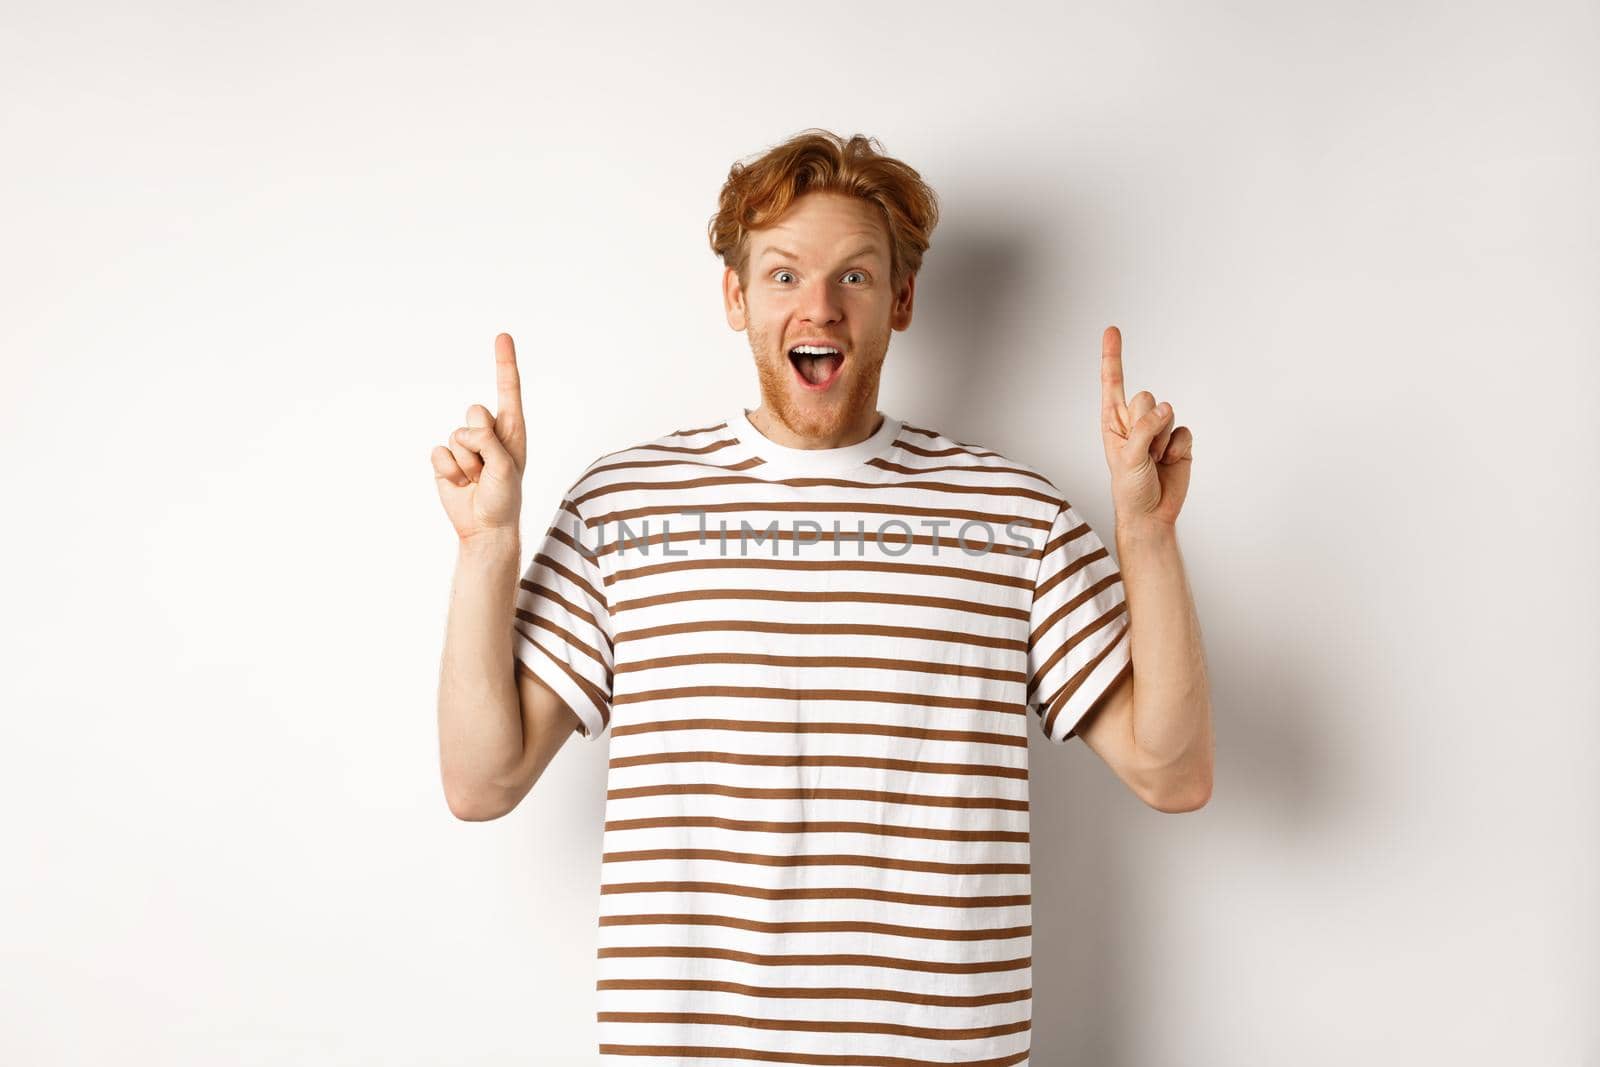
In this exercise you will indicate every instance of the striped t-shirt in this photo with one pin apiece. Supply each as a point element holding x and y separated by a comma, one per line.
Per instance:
<point>817,668</point>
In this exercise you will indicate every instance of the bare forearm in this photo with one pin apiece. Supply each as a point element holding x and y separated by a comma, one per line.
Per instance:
<point>1171,693</point>
<point>480,719</point>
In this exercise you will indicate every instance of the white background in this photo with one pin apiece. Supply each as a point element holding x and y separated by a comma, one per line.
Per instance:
<point>252,263</point>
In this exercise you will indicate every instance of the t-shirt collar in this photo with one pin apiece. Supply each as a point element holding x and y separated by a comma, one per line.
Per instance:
<point>782,459</point>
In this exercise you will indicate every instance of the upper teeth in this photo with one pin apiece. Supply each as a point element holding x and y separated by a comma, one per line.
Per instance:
<point>815,350</point>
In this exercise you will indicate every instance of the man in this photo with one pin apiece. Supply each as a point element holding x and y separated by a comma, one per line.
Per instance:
<point>816,633</point>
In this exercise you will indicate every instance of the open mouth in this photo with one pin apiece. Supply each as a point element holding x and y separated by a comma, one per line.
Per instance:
<point>815,369</point>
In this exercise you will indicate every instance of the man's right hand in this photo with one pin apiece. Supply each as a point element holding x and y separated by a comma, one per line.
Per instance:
<point>479,473</point>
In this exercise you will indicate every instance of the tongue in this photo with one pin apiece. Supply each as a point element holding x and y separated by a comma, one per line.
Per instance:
<point>817,368</point>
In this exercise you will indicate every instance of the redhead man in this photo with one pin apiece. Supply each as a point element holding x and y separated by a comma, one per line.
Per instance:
<point>816,634</point>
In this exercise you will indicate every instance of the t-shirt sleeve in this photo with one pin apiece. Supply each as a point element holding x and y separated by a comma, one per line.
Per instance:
<point>1078,637</point>
<point>562,629</point>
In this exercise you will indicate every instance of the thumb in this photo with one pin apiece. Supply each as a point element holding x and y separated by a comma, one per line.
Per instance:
<point>1143,432</point>
<point>482,440</point>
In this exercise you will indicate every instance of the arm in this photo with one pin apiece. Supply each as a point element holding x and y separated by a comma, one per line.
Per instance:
<point>1153,728</point>
<point>499,726</point>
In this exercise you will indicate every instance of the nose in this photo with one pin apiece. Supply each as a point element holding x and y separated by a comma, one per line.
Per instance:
<point>819,303</point>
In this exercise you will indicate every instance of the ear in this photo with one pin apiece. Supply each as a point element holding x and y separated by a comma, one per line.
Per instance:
<point>733,299</point>
<point>900,313</point>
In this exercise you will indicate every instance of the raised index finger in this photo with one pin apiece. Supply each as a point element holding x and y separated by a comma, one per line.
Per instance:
<point>1112,401</point>
<point>508,384</point>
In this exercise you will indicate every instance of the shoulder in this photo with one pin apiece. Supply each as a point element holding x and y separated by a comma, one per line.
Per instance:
<point>928,449</point>
<point>664,457</point>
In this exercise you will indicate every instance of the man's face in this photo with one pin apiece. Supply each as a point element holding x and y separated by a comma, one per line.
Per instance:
<point>820,275</point>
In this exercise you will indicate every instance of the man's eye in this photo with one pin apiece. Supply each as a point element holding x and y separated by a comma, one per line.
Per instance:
<point>776,273</point>
<point>862,273</point>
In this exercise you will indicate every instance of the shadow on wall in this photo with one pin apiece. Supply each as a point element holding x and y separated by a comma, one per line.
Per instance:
<point>1098,940</point>
<point>951,366</point>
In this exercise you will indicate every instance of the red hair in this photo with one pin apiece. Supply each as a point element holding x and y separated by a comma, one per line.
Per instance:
<point>758,192</point>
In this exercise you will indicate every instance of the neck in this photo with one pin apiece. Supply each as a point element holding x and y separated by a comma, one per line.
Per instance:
<point>799,434</point>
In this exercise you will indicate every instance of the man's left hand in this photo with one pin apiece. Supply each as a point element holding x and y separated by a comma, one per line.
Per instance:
<point>1149,459</point>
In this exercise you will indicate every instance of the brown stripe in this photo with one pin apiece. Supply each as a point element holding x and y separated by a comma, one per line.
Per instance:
<point>634,448</point>
<point>570,575</point>
<point>812,1026</point>
<point>843,926</point>
<point>819,1059</point>
<point>1068,535</point>
<point>1063,694</point>
<point>783,759</point>
<point>822,859</point>
<point>920,733</point>
<point>688,450</point>
<point>818,992</point>
<point>864,507</point>
<point>644,464</point>
<point>583,550</point>
<point>820,959</point>
<point>823,596</point>
<point>875,796</point>
<point>753,826</point>
<point>819,628</point>
<point>1068,571</point>
<point>900,468</point>
<point>957,488</point>
<point>958,449</point>
<point>702,429</point>
<point>931,900</point>
<point>963,670</point>
<point>972,573</point>
<point>765,692</point>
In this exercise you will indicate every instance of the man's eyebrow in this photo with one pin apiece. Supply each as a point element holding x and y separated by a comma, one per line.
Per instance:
<point>860,253</point>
